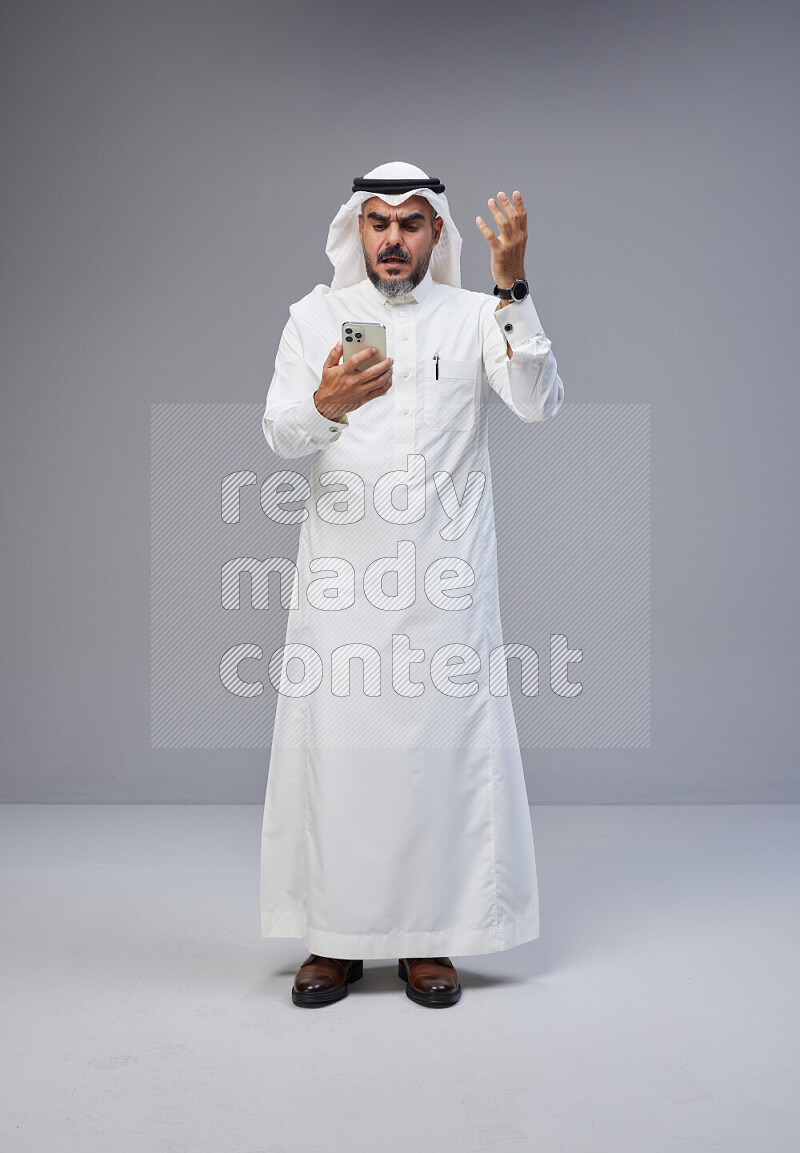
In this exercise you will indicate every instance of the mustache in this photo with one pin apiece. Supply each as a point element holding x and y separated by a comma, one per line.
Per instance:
<point>396,252</point>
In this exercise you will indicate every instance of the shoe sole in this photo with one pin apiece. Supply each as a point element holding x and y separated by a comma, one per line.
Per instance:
<point>432,1000</point>
<point>312,998</point>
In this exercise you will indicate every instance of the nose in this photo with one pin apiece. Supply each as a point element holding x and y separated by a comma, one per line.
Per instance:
<point>395,233</point>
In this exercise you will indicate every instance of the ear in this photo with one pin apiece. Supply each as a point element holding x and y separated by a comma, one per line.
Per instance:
<point>361,224</point>
<point>437,229</point>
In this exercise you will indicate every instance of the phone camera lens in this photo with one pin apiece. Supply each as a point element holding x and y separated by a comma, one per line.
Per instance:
<point>359,336</point>
<point>348,331</point>
<point>349,339</point>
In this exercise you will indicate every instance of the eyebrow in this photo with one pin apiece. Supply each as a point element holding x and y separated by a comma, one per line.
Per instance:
<point>403,219</point>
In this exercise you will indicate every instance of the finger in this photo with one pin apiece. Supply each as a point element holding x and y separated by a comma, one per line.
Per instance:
<point>508,207</point>
<point>381,391</point>
<point>370,380</point>
<point>499,216</point>
<point>374,371</point>
<point>333,356</point>
<point>362,355</point>
<point>486,230</point>
<point>516,219</point>
<point>522,211</point>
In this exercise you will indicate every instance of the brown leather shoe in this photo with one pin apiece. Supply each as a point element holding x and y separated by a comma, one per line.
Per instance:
<point>320,980</point>
<point>430,981</point>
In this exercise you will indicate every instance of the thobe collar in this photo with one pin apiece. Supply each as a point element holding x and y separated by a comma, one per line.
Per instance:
<point>417,296</point>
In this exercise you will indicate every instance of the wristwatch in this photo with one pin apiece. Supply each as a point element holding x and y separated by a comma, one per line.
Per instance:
<point>518,291</point>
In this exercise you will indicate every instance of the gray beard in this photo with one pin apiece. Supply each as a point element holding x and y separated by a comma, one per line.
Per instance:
<point>397,287</point>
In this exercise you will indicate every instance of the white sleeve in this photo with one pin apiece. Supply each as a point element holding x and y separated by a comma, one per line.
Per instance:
<point>528,381</point>
<point>292,423</point>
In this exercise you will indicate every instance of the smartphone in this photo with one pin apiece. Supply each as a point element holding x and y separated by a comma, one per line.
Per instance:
<point>357,336</point>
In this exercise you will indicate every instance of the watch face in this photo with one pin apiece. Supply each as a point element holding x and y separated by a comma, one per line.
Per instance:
<point>519,290</point>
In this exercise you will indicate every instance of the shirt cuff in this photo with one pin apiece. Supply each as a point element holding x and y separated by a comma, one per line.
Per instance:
<point>319,427</point>
<point>519,321</point>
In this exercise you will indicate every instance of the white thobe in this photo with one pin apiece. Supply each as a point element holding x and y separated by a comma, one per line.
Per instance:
<point>396,820</point>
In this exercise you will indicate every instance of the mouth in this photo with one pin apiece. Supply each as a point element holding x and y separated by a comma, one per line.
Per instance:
<point>394,262</point>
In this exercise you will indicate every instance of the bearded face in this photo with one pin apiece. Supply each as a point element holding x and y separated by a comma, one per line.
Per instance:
<point>397,242</point>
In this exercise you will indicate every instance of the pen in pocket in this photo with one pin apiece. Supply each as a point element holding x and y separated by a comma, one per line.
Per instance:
<point>436,362</point>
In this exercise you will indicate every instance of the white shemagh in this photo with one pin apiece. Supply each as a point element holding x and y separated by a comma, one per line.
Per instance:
<point>344,243</point>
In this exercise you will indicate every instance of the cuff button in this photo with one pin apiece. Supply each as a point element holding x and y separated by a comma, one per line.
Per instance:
<point>508,327</point>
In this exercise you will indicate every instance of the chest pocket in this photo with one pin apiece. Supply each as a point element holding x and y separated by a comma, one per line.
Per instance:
<point>450,400</point>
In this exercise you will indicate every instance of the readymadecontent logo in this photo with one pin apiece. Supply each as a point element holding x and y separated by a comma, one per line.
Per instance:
<point>398,498</point>
<point>227,581</point>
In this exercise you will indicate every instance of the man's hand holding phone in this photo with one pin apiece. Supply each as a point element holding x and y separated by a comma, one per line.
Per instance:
<point>347,386</point>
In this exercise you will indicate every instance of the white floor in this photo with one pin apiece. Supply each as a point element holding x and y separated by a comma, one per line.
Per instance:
<point>657,1012</point>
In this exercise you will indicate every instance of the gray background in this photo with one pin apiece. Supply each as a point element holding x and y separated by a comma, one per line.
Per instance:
<point>168,175</point>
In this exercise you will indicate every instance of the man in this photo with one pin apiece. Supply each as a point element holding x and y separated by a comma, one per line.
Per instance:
<point>396,820</point>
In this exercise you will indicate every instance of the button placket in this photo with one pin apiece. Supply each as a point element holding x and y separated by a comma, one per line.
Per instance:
<point>404,384</point>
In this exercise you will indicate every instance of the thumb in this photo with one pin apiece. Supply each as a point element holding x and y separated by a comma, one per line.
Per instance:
<point>333,356</point>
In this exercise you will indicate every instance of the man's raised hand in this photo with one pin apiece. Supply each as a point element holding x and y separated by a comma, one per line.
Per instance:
<point>507,249</point>
<point>344,386</point>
